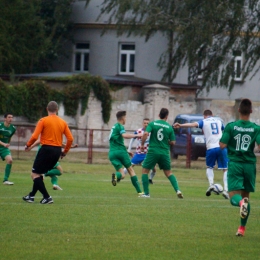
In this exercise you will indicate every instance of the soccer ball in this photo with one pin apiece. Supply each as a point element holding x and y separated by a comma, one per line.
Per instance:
<point>218,189</point>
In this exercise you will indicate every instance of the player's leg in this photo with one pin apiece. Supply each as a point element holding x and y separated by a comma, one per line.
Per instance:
<point>149,163</point>
<point>114,158</point>
<point>134,179</point>
<point>222,161</point>
<point>152,174</point>
<point>211,157</point>
<point>53,173</point>
<point>8,167</point>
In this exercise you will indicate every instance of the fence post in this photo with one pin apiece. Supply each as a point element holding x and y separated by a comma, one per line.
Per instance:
<point>90,146</point>
<point>188,151</point>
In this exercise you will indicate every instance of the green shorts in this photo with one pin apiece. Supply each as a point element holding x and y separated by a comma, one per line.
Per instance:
<point>4,152</point>
<point>241,176</point>
<point>119,159</point>
<point>163,161</point>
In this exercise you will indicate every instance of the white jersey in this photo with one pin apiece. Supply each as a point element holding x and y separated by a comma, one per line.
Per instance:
<point>139,141</point>
<point>212,129</point>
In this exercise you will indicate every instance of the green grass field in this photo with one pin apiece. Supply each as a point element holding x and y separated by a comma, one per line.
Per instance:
<point>91,219</point>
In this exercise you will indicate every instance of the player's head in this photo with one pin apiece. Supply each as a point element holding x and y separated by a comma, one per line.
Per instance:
<point>245,107</point>
<point>52,107</point>
<point>164,113</point>
<point>207,113</point>
<point>8,118</point>
<point>145,122</point>
<point>121,115</point>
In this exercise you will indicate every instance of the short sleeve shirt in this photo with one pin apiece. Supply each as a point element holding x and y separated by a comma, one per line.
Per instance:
<point>116,140</point>
<point>6,132</point>
<point>161,133</point>
<point>240,138</point>
<point>212,130</point>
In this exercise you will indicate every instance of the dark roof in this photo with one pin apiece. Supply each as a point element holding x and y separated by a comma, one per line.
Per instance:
<point>117,79</point>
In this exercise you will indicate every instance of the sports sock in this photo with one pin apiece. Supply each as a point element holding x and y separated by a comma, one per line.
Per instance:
<point>235,200</point>
<point>145,183</point>
<point>53,172</point>
<point>152,174</point>
<point>243,221</point>
<point>54,180</point>
<point>125,171</point>
<point>118,175</point>
<point>34,189</point>
<point>7,171</point>
<point>136,184</point>
<point>41,187</point>
<point>225,181</point>
<point>210,176</point>
<point>174,182</point>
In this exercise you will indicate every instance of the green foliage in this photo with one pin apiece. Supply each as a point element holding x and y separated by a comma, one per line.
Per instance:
<point>78,90</point>
<point>202,35</point>
<point>38,31</point>
<point>30,98</point>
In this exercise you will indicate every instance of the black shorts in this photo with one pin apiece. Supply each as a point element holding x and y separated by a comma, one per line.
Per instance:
<point>46,158</point>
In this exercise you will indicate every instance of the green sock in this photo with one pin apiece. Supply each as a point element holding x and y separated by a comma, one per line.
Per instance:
<point>145,183</point>
<point>235,200</point>
<point>136,184</point>
<point>54,180</point>
<point>243,221</point>
<point>118,175</point>
<point>173,182</point>
<point>53,172</point>
<point>7,171</point>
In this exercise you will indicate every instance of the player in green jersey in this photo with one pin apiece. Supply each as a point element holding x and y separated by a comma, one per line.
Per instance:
<point>240,137</point>
<point>161,137</point>
<point>118,154</point>
<point>7,130</point>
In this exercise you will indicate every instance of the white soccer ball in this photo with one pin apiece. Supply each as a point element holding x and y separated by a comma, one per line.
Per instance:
<point>218,189</point>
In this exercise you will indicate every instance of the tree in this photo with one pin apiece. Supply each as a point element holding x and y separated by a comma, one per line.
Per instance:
<point>202,35</point>
<point>32,33</point>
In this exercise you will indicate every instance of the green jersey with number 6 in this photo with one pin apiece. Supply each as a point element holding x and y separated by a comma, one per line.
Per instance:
<point>116,140</point>
<point>240,138</point>
<point>161,133</point>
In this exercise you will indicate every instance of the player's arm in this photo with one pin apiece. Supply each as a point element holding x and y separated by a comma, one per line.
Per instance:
<point>128,136</point>
<point>37,142</point>
<point>4,144</point>
<point>222,145</point>
<point>186,125</point>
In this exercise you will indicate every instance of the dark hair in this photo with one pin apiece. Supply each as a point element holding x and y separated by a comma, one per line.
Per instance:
<point>120,114</point>
<point>146,119</point>
<point>164,113</point>
<point>245,107</point>
<point>207,112</point>
<point>52,106</point>
<point>6,114</point>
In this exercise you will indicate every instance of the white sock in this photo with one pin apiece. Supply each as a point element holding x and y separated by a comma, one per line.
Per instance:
<point>210,176</point>
<point>225,181</point>
<point>125,171</point>
<point>152,174</point>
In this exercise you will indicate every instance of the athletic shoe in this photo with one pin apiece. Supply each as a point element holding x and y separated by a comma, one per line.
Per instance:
<point>8,183</point>
<point>150,181</point>
<point>28,198</point>
<point>144,195</point>
<point>113,179</point>
<point>56,187</point>
<point>241,231</point>
<point>209,190</point>
<point>225,195</point>
<point>244,207</point>
<point>179,194</point>
<point>47,201</point>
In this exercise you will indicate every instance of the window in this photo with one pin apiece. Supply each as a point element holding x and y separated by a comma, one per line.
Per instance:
<point>81,57</point>
<point>238,64</point>
<point>127,59</point>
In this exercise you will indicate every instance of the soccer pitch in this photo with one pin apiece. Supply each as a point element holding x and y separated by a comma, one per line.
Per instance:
<point>91,219</point>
